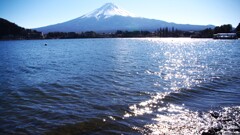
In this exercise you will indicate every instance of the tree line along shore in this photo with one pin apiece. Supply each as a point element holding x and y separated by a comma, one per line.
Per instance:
<point>11,31</point>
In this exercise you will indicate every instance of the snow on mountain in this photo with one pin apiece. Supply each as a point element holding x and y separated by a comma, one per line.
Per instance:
<point>108,10</point>
<point>110,18</point>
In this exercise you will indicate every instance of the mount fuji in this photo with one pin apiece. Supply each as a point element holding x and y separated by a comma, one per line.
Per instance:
<point>110,18</point>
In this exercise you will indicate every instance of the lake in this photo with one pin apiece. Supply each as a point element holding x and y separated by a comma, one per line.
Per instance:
<point>120,86</point>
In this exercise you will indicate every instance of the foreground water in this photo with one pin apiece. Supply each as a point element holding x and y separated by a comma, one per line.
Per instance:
<point>120,86</point>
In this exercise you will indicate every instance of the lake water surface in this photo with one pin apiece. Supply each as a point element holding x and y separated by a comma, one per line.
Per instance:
<point>120,86</point>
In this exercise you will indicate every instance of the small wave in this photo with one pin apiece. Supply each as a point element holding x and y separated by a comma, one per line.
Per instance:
<point>182,121</point>
<point>171,116</point>
<point>104,125</point>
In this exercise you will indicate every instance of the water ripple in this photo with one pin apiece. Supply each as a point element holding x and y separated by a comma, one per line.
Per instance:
<point>120,86</point>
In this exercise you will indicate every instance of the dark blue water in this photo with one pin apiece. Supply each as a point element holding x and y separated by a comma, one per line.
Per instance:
<point>119,86</point>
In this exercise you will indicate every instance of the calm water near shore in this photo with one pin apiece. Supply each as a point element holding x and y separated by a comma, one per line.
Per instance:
<point>120,86</point>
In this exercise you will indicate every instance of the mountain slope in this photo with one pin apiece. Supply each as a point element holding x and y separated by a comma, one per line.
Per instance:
<point>9,30</point>
<point>110,18</point>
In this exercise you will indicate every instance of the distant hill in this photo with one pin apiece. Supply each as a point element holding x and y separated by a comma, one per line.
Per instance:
<point>9,30</point>
<point>110,18</point>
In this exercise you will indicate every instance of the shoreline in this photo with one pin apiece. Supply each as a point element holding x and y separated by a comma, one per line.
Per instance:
<point>112,38</point>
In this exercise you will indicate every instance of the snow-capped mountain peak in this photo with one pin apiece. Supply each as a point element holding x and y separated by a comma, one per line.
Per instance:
<point>108,10</point>
<point>110,18</point>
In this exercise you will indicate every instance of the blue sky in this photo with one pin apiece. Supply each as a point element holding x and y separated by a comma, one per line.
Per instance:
<point>37,13</point>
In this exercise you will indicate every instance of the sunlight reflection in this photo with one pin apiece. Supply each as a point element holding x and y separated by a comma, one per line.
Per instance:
<point>174,119</point>
<point>146,107</point>
<point>171,41</point>
<point>177,68</point>
<point>180,64</point>
<point>182,121</point>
